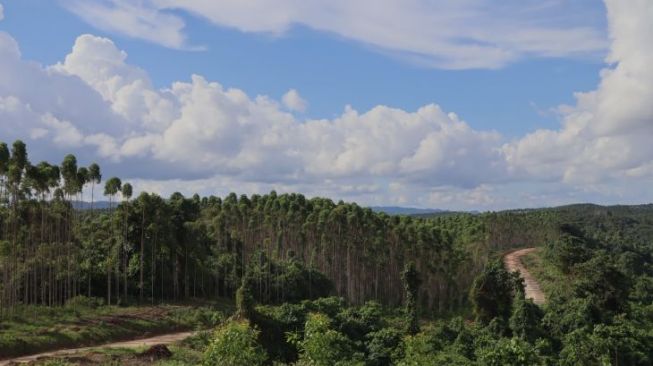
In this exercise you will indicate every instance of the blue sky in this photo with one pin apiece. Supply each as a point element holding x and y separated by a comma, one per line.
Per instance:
<point>504,68</point>
<point>329,71</point>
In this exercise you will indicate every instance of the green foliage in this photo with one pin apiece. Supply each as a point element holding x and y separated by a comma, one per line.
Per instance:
<point>509,352</point>
<point>244,301</point>
<point>412,281</point>
<point>324,346</point>
<point>383,346</point>
<point>607,286</point>
<point>491,293</point>
<point>81,301</point>
<point>570,249</point>
<point>525,319</point>
<point>622,343</point>
<point>277,281</point>
<point>235,344</point>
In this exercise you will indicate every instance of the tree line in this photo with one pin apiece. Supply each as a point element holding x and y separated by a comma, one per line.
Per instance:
<point>151,249</point>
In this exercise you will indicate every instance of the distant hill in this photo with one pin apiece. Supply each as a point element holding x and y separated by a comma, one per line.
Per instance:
<point>396,210</point>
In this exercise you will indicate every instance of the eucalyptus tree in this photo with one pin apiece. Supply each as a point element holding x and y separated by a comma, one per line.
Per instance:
<point>69,174</point>
<point>126,192</point>
<point>17,164</point>
<point>94,177</point>
<point>111,188</point>
<point>82,179</point>
<point>4,168</point>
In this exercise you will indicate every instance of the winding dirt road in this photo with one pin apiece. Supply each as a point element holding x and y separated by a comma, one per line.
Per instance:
<point>513,263</point>
<point>162,339</point>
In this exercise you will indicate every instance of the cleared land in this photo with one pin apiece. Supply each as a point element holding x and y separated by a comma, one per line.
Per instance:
<point>513,262</point>
<point>37,330</point>
<point>139,343</point>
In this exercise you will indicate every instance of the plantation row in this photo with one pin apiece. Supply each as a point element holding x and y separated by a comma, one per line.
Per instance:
<point>149,248</point>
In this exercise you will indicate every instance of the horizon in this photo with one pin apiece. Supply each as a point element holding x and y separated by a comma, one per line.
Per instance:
<point>516,105</point>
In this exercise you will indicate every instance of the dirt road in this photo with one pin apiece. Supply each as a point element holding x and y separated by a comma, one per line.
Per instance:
<point>162,339</point>
<point>513,262</point>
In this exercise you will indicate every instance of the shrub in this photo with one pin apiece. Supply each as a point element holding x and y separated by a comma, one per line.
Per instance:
<point>324,346</point>
<point>84,302</point>
<point>235,344</point>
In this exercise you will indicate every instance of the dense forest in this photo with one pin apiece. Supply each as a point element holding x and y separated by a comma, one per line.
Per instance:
<point>149,248</point>
<point>317,281</point>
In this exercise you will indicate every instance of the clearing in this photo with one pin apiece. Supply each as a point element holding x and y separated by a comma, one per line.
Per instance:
<point>513,262</point>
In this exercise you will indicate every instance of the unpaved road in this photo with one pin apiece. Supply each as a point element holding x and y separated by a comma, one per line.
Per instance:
<point>513,263</point>
<point>162,339</point>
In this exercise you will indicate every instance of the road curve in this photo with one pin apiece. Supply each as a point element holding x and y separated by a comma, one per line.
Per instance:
<point>162,339</point>
<point>513,263</point>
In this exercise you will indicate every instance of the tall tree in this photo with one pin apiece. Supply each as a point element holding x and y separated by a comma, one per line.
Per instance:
<point>412,281</point>
<point>4,168</point>
<point>111,188</point>
<point>126,192</point>
<point>95,177</point>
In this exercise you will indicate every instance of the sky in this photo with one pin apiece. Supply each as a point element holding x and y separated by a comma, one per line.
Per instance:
<point>451,104</point>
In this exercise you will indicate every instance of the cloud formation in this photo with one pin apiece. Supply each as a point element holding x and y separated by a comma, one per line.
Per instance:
<point>197,135</point>
<point>294,102</point>
<point>447,34</point>
<point>605,134</point>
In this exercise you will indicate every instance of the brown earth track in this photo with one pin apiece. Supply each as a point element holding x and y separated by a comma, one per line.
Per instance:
<point>162,339</point>
<point>513,263</point>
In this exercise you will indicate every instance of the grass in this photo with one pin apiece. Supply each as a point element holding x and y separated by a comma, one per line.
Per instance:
<point>36,329</point>
<point>550,278</point>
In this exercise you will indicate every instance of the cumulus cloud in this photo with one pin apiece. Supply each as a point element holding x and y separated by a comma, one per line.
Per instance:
<point>200,136</point>
<point>605,134</point>
<point>201,127</point>
<point>294,102</point>
<point>446,33</point>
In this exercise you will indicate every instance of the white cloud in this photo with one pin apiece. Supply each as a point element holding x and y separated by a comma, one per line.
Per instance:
<point>294,102</point>
<point>607,133</point>
<point>446,33</point>
<point>133,19</point>
<point>97,104</point>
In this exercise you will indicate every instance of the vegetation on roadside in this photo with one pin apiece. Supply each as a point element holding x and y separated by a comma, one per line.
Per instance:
<point>35,329</point>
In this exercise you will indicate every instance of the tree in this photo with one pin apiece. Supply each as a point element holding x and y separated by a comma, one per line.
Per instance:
<point>235,344</point>
<point>94,177</point>
<point>412,281</point>
<point>126,192</point>
<point>526,316</point>
<point>322,345</point>
<point>4,168</point>
<point>69,173</point>
<point>491,293</point>
<point>111,188</point>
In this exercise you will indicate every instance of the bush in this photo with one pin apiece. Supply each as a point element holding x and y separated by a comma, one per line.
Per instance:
<point>382,346</point>
<point>235,344</point>
<point>324,346</point>
<point>84,302</point>
<point>509,352</point>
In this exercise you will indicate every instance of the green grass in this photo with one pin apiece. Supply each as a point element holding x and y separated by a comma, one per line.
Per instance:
<point>550,278</point>
<point>36,329</point>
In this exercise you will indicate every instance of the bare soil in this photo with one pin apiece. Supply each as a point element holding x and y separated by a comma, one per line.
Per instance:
<point>91,358</point>
<point>513,263</point>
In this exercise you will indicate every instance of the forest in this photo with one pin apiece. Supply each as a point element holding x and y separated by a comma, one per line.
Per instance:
<point>318,282</point>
